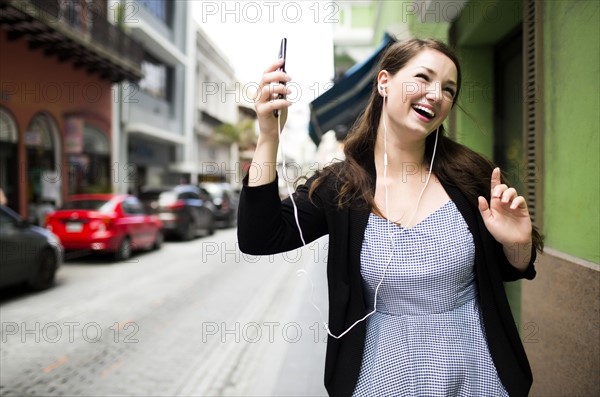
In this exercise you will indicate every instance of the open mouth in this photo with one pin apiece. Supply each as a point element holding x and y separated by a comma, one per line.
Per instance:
<point>423,111</point>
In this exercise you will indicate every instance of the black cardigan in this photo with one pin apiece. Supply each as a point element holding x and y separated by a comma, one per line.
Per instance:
<point>266,225</point>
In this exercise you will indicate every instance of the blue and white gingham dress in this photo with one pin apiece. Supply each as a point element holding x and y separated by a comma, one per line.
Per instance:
<point>426,338</point>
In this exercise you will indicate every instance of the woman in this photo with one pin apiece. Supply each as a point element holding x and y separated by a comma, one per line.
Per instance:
<point>422,234</point>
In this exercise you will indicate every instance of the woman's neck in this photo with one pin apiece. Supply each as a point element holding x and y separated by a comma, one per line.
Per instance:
<point>403,157</point>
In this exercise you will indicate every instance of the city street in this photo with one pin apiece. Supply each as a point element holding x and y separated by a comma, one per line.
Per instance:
<point>194,318</point>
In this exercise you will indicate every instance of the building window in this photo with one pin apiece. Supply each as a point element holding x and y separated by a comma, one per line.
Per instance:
<point>89,170</point>
<point>43,181</point>
<point>156,78</point>
<point>161,9</point>
<point>9,164</point>
<point>71,13</point>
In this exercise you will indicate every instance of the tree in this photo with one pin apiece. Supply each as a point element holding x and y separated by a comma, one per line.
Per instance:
<point>242,133</point>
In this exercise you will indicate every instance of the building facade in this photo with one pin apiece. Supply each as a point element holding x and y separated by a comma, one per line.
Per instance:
<point>152,118</point>
<point>353,34</point>
<point>59,61</point>
<point>218,96</point>
<point>528,112</point>
<point>169,121</point>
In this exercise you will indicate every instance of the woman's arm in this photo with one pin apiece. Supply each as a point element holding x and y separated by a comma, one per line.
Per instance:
<point>263,168</point>
<point>266,225</point>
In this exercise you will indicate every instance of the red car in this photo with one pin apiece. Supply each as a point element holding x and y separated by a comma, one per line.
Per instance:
<point>114,223</point>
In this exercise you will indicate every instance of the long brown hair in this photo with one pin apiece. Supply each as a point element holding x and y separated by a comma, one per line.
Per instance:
<point>455,164</point>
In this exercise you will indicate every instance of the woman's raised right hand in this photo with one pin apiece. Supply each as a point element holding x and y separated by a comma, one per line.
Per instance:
<point>267,100</point>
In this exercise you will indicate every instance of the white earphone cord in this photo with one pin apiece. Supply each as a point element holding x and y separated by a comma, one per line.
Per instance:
<point>283,168</point>
<point>391,235</point>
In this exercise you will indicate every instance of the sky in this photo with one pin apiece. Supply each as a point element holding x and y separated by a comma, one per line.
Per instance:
<point>248,34</point>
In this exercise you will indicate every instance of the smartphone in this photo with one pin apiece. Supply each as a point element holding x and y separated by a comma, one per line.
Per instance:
<point>282,54</point>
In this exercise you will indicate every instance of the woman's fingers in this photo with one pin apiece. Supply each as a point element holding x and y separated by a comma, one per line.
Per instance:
<point>272,97</point>
<point>519,202</point>
<point>272,74</point>
<point>483,207</point>
<point>498,190</point>
<point>508,195</point>
<point>274,66</point>
<point>272,89</point>
<point>495,181</point>
<point>277,77</point>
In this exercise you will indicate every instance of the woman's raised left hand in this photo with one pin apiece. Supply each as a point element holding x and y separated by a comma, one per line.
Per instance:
<point>506,216</point>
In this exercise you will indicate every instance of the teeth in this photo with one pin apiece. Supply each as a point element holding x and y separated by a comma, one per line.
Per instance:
<point>426,110</point>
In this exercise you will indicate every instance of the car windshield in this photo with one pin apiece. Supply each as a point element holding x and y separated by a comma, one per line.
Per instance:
<point>167,198</point>
<point>92,205</point>
<point>214,190</point>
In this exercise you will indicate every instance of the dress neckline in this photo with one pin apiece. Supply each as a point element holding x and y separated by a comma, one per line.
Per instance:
<point>437,210</point>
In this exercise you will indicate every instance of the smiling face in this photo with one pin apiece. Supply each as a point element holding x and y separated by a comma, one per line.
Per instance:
<point>420,95</point>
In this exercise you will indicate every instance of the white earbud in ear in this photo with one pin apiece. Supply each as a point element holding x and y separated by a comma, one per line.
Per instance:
<point>383,89</point>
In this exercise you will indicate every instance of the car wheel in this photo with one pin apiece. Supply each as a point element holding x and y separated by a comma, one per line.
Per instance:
<point>124,251</point>
<point>45,271</point>
<point>210,230</point>
<point>159,240</point>
<point>189,232</point>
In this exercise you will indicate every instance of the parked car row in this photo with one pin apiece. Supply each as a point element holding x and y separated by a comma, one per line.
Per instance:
<point>117,224</point>
<point>224,199</point>
<point>185,210</point>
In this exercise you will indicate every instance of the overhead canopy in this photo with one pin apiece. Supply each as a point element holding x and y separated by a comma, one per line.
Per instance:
<point>337,108</point>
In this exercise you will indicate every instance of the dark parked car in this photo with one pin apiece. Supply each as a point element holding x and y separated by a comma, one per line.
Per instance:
<point>184,210</point>
<point>225,200</point>
<point>28,254</point>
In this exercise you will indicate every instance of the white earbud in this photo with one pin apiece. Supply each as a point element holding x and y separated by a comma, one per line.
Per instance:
<point>383,89</point>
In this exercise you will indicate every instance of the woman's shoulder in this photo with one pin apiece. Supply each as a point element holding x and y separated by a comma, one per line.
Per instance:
<point>328,172</point>
<point>324,182</point>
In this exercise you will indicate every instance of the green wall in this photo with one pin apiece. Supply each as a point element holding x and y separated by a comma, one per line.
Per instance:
<point>362,16</point>
<point>571,101</point>
<point>479,27</point>
<point>395,13</point>
<point>483,22</point>
<point>474,114</point>
<point>571,171</point>
<point>390,14</point>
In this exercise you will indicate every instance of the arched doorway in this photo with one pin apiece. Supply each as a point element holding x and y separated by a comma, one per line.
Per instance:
<point>9,159</point>
<point>90,170</point>
<point>42,144</point>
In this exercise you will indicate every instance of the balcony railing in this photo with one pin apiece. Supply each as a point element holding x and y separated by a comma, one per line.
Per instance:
<point>73,30</point>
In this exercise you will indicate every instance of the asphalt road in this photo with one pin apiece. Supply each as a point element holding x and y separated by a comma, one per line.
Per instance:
<point>195,318</point>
